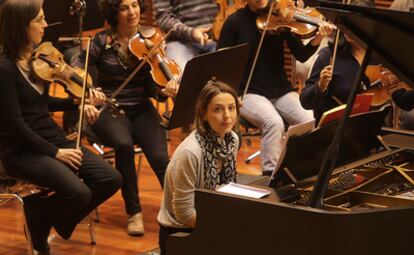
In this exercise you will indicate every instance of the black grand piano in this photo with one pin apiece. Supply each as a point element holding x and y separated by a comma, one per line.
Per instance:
<point>366,197</point>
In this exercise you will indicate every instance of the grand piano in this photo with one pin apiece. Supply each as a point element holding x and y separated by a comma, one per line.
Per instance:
<point>363,203</point>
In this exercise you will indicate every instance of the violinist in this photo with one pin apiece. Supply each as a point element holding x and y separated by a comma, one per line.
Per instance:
<point>326,88</point>
<point>32,146</point>
<point>113,62</point>
<point>270,100</point>
<point>192,21</point>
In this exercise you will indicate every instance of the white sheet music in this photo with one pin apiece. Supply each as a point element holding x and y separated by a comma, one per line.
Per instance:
<point>243,190</point>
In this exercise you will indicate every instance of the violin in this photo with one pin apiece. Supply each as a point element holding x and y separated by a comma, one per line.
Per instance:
<point>382,83</point>
<point>285,16</point>
<point>47,64</point>
<point>226,8</point>
<point>163,69</point>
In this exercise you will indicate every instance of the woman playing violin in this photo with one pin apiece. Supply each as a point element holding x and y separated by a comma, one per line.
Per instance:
<point>270,100</point>
<point>32,146</point>
<point>141,123</point>
<point>326,88</point>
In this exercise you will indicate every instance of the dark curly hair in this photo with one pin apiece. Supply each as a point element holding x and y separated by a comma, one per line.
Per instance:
<point>110,10</point>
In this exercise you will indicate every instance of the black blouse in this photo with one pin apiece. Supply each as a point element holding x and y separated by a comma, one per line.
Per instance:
<point>344,74</point>
<point>25,121</point>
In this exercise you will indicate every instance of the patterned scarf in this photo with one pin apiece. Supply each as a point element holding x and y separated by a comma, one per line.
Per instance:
<point>215,150</point>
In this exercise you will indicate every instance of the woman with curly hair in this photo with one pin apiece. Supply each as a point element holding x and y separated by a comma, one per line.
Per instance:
<point>111,58</point>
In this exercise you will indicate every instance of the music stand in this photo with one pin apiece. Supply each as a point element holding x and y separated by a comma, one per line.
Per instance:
<point>359,140</point>
<point>226,65</point>
<point>376,29</point>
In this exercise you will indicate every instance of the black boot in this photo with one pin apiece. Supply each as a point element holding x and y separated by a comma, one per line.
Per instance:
<point>35,209</point>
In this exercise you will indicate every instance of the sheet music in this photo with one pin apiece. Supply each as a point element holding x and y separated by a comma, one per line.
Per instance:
<point>243,190</point>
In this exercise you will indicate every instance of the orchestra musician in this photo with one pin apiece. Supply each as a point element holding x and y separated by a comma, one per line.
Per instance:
<point>32,146</point>
<point>192,22</point>
<point>270,100</point>
<point>326,88</point>
<point>113,61</point>
<point>205,159</point>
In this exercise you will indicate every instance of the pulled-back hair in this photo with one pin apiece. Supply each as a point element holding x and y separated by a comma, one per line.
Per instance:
<point>212,89</point>
<point>15,17</point>
<point>110,10</point>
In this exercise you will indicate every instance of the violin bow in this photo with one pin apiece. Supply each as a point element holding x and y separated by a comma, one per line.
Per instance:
<point>333,59</point>
<point>136,70</point>
<point>82,104</point>
<point>269,14</point>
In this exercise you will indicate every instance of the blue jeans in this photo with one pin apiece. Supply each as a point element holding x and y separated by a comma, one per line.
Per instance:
<point>182,52</point>
<point>270,116</point>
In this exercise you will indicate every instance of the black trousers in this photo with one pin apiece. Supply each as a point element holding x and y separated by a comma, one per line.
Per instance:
<point>140,125</point>
<point>165,232</point>
<point>75,195</point>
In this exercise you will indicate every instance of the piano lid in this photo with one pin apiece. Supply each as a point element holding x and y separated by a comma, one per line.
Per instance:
<point>389,33</point>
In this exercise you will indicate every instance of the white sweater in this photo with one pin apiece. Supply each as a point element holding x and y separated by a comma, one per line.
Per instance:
<point>183,176</point>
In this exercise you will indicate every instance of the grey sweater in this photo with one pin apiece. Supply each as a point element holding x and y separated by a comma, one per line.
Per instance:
<point>184,175</point>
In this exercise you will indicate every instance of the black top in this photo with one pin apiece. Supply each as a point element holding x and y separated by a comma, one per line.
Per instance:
<point>269,78</point>
<point>344,74</point>
<point>113,68</point>
<point>25,121</point>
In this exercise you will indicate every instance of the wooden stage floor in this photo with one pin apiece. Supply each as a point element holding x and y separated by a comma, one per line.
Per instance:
<point>111,230</point>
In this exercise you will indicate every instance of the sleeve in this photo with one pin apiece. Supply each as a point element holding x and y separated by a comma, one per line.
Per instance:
<point>404,99</point>
<point>228,34</point>
<point>12,118</point>
<point>185,177</point>
<point>167,19</point>
<point>311,97</point>
<point>300,51</point>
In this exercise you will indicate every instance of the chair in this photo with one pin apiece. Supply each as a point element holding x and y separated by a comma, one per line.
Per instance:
<point>16,189</point>
<point>249,133</point>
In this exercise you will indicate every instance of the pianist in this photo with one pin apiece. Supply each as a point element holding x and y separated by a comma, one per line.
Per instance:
<point>205,159</point>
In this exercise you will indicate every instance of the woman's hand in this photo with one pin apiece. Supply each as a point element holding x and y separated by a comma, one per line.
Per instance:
<point>325,29</point>
<point>96,96</point>
<point>325,78</point>
<point>200,35</point>
<point>71,157</point>
<point>171,89</point>
<point>91,113</point>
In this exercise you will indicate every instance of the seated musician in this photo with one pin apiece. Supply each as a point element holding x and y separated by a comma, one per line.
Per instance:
<point>326,88</point>
<point>32,146</point>
<point>192,22</point>
<point>140,125</point>
<point>270,101</point>
<point>205,159</point>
